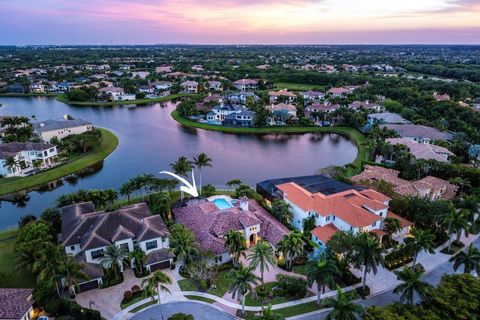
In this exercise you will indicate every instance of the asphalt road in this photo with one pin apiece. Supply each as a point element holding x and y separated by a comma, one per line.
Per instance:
<point>387,297</point>
<point>199,310</point>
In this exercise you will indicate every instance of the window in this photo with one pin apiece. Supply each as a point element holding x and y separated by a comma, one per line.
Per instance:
<point>72,248</point>
<point>164,239</point>
<point>124,246</point>
<point>151,245</point>
<point>96,254</point>
<point>351,228</point>
<point>51,150</point>
<point>374,223</point>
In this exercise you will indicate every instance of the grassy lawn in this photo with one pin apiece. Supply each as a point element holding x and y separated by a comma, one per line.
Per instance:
<point>356,136</point>
<point>298,86</point>
<point>13,277</point>
<point>137,296</point>
<point>224,279</point>
<point>187,285</point>
<point>143,306</point>
<point>300,269</point>
<point>200,299</point>
<point>108,144</point>
<point>250,301</point>
<point>63,99</point>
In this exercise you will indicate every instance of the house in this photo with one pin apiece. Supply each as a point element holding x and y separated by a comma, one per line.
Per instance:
<point>86,233</point>
<point>418,133</point>
<point>28,156</point>
<point>214,86</point>
<point>61,128</point>
<point>332,204</point>
<point>357,105</point>
<point>197,67</point>
<point>284,95</point>
<point>190,87</point>
<point>339,92</point>
<point>63,87</point>
<point>281,113</point>
<point>219,112</point>
<point>115,94</point>
<point>431,188</point>
<point>140,74</point>
<point>441,97</point>
<point>164,68</point>
<point>244,118</point>
<point>37,87</point>
<point>210,219</point>
<point>246,85</point>
<point>423,150</point>
<point>312,96</point>
<point>15,88</point>
<point>16,303</point>
<point>386,118</point>
<point>322,107</point>
<point>241,97</point>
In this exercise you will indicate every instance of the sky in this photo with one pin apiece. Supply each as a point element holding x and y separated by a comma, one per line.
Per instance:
<point>115,22</point>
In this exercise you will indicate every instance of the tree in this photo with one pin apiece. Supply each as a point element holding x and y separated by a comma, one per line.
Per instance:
<point>138,258</point>
<point>263,257</point>
<point>30,241</point>
<point>243,282</point>
<point>367,254</point>
<point>323,271</point>
<point>421,240</point>
<point>236,244</point>
<point>71,271</point>
<point>470,260</point>
<point>26,219</point>
<point>234,183</point>
<point>47,266</point>
<point>457,221</point>
<point>11,163</point>
<point>127,189</point>
<point>461,183</point>
<point>201,161</point>
<point>53,216</point>
<point>411,284</point>
<point>391,226</point>
<point>291,247</point>
<point>281,210</point>
<point>154,284</point>
<point>181,167</point>
<point>183,244</point>
<point>269,314</point>
<point>113,258</point>
<point>342,307</point>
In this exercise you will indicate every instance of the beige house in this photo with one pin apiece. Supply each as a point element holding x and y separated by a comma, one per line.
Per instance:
<point>61,128</point>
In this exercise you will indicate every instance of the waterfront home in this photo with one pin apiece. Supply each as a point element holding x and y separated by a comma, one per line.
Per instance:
<point>115,94</point>
<point>423,150</point>
<point>61,128</point>
<point>386,118</point>
<point>28,157</point>
<point>211,219</point>
<point>284,95</point>
<point>241,97</point>
<point>189,86</point>
<point>86,233</point>
<point>431,188</point>
<point>246,85</point>
<point>332,204</point>
<point>219,112</point>
<point>214,86</point>
<point>15,88</point>
<point>244,118</point>
<point>16,304</point>
<point>418,133</point>
<point>312,96</point>
<point>37,87</point>
<point>63,87</point>
<point>288,108</point>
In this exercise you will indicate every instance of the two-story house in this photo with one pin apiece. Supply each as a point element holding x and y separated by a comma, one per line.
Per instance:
<point>221,111</point>
<point>246,85</point>
<point>189,86</point>
<point>284,95</point>
<point>61,128</point>
<point>86,234</point>
<point>26,156</point>
<point>244,118</point>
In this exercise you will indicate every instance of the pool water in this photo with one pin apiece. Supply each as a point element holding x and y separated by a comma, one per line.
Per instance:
<point>222,204</point>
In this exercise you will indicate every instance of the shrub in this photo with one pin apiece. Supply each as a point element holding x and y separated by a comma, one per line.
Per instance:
<point>208,190</point>
<point>363,292</point>
<point>127,294</point>
<point>135,288</point>
<point>181,316</point>
<point>262,291</point>
<point>398,257</point>
<point>292,286</point>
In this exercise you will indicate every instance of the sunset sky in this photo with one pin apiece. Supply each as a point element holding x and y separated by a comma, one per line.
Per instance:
<point>239,21</point>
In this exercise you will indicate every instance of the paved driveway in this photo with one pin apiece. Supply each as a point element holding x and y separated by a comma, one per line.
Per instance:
<point>201,311</point>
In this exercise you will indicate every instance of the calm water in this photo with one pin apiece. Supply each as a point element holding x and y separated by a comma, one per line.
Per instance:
<point>150,140</point>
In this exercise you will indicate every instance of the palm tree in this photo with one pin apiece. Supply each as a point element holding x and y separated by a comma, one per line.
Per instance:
<point>127,189</point>
<point>10,163</point>
<point>181,167</point>
<point>421,240</point>
<point>47,266</point>
<point>113,257</point>
<point>461,183</point>
<point>71,271</point>
<point>243,282</point>
<point>342,307</point>
<point>457,221</point>
<point>291,246</point>
<point>183,244</point>
<point>154,284</point>
<point>235,243</point>
<point>367,254</point>
<point>269,314</point>
<point>324,271</point>
<point>263,257</point>
<point>470,260</point>
<point>391,226</point>
<point>162,203</point>
<point>411,284</point>
<point>201,161</point>
<point>138,258</point>
<point>234,183</point>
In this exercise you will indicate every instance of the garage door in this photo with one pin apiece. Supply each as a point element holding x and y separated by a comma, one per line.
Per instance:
<point>87,286</point>
<point>160,265</point>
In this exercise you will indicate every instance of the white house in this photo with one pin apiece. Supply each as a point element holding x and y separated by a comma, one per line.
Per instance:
<point>115,94</point>
<point>190,86</point>
<point>312,96</point>
<point>87,233</point>
<point>37,87</point>
<point>61,128</point>
<point>214,86</point>
<point>274,96</point>
<point>246,84</point>
<point>28,157</point>
<point>221,111</point>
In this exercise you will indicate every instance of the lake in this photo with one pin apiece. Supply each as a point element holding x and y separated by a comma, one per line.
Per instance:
<point>150,140</point>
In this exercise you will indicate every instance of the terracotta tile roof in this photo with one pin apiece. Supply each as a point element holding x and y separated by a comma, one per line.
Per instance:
<point>422,150</point>
<point>14,303</point>
<point>282,93</point>
<point>378,232</point>
<point>324,233</point>
<point>403,222</point>
<point>377,196</point>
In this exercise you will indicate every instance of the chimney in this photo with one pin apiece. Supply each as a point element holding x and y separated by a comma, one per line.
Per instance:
<point>244,203</point>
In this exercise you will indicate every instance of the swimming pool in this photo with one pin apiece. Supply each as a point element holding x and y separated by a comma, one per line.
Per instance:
<point>222,203</point>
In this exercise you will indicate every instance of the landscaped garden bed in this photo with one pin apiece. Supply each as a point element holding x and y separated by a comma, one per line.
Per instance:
<point>454,247</point>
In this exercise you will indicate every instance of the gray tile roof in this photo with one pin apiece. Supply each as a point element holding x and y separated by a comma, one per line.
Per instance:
<point>82,225</point>
<point>12,148</point>
<point>158,256</point>
<point>14,303</point>
<point>415,130</point>
<point>49,125</point>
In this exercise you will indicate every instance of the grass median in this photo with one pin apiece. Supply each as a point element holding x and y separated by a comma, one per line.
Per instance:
<point>108,144</point>
<point>353,134</point>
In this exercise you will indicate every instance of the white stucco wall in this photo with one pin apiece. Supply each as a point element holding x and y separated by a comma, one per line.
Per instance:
<point>48,135</point>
